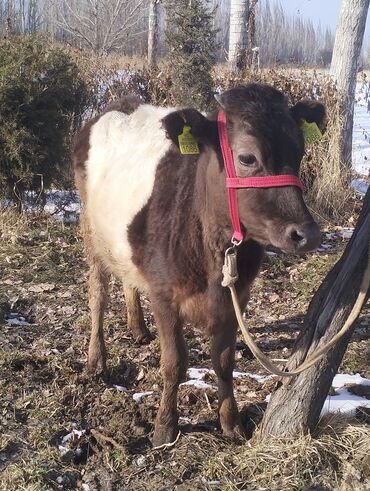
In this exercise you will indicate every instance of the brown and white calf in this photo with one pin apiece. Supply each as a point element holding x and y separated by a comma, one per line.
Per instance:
<point>159,221</point>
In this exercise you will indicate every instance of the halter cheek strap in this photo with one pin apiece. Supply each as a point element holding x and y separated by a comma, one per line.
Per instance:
<point>233,182</point>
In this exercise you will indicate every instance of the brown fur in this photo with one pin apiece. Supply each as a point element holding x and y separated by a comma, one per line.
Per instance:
<point>180,236</point>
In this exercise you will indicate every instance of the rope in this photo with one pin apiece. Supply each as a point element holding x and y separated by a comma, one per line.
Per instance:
<point>229,280</point>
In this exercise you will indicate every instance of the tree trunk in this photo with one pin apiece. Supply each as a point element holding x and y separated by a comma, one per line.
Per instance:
<point>344,65</point>
<point>153,33</point>
<point>251,35</point>
<point>238,34</point>
<point>297,402</point>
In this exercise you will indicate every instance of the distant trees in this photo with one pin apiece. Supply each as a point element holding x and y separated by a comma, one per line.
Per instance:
<point>101,25</point>
<point>125,26</point>
<point>285,39</point>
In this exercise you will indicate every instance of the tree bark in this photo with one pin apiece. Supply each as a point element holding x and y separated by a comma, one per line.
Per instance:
<point>238,34</point>
<point>296,405</point>
<point>251,34</point>
<point>153,33</point>
<point>344,65</point>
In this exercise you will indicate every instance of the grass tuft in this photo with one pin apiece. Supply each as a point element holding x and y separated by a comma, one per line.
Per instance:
<point>339,454</point>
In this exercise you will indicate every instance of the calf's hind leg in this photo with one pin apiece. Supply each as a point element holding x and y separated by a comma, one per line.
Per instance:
<point>97,285</point>
<point>135,317</point>
<point>98,282</point>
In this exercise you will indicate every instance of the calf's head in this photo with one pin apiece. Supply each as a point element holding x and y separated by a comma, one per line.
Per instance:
<point>266,139</point>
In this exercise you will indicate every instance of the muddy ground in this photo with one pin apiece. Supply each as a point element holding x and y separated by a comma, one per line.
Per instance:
<point>62,430</point>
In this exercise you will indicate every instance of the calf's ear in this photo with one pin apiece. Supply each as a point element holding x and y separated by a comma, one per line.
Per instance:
<point>200,126</point>
<point>311,111</point>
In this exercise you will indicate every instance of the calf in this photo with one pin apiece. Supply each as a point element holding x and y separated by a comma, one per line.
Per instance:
<point>159,220</point>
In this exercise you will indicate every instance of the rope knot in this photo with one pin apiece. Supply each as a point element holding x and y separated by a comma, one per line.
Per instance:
<point>230,269</point>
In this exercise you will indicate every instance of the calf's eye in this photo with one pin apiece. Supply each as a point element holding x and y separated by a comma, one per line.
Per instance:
<point>248,159</point>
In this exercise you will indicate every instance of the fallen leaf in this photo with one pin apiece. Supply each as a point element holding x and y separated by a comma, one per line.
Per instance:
<point>41,287</point>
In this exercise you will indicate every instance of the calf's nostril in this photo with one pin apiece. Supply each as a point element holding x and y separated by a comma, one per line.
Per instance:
<point>298,237</point>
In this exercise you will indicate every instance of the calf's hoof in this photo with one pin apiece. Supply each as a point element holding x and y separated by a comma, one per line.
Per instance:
<point>164,435</point>
<point>235,434</point>
<point>143,337</point>
<point>230,422</point>
<point>97,367</point>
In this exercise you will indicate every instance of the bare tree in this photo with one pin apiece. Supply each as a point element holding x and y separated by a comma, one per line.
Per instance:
<point>252,48</point>
<point>153,33</point>
<point>238,34</point>
<point>344,65</point>
<point>101,25</point>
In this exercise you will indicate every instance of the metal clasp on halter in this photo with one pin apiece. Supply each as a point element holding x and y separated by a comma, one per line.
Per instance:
<point>236,243</point>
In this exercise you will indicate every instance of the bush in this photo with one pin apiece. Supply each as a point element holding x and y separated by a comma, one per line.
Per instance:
<point>41,101</point>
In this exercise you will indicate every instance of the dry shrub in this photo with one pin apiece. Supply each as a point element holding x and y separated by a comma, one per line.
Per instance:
<point>13,225</point>
<point>338,458</point>
<point>108,78</point>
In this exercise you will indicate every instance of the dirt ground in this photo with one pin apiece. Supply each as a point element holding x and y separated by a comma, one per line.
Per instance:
<point>62,430</point>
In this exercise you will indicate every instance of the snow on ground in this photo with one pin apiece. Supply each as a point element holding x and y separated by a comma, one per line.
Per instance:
<point>139,395</point>
<point>70,437</point>
<point>16,319</point>
<point>343,401</point>
<point>361,137</point>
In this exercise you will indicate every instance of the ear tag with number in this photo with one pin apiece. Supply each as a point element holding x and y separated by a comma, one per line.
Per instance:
<point>187,143</point>
<point>311,132</point>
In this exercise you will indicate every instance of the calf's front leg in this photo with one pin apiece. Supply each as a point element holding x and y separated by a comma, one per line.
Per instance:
<point>174,363</point>
<point>223,357</point>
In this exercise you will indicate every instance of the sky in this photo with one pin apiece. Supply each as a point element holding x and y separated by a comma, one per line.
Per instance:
<point>324,11</point>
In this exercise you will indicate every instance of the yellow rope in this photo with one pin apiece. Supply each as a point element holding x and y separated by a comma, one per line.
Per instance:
<point>229,280</point>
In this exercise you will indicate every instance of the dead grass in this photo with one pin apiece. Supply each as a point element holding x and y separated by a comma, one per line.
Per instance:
<point>327,179</point>
<point>338,458</point>
<point>13,225</point>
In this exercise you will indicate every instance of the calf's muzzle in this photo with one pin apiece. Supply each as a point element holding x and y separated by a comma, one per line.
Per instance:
<point>302,237</point>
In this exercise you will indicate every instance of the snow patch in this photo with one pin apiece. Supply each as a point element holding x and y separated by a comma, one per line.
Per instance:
<point>344,401</point>
<point>196,377</point>
<point>199,384</point>
<point>360,185</point>
<point>120,388</point>
<point>64,445</point>
<point>361,132</point>
<point>139,395</point>
<point>16,319</point>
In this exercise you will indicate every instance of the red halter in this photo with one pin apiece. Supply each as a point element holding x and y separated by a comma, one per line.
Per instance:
<point>233,182</point>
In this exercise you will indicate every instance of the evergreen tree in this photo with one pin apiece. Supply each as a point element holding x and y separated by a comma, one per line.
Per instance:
<point>191,38</point>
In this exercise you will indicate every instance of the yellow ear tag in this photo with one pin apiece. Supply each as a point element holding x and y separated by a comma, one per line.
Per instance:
<point>187,143</point>
<point>311,132</point>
